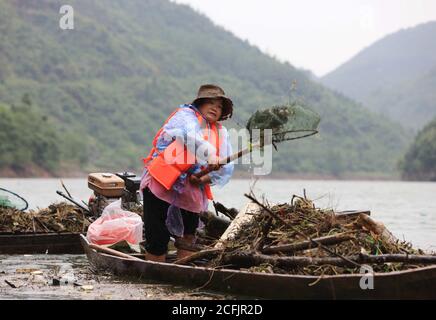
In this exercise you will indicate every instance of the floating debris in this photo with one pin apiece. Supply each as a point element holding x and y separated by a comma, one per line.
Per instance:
<point>59,217</point>
<point>12,285</point>
<point>299,238</point>
<point>26,270</point>
<point>87,288</point>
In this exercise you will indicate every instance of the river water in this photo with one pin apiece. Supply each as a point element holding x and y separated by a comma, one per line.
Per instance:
<point>408,209</point>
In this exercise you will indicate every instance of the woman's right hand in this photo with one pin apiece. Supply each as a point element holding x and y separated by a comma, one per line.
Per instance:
<point>213,163</point>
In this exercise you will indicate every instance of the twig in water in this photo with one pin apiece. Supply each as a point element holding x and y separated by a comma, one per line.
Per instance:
<point>65,188</point>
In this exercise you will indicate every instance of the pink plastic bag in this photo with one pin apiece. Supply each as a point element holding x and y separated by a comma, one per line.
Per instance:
<point>114,225</point>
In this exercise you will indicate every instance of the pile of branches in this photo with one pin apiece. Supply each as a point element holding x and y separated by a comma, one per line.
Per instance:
<point>59,217</point>
<point>298,238</point>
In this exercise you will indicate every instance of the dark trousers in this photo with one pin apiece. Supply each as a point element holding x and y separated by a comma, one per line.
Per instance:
<point>155,230</point>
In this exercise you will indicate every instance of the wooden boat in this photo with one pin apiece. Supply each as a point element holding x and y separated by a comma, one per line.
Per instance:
<point>40,243</point>
<point>416,283</point>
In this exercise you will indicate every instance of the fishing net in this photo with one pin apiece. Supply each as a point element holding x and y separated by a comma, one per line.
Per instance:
<point>8,199</point>
<point>287,122</point>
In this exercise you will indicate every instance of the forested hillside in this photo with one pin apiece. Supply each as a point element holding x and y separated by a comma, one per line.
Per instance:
<point>420,160</point>
<point>412,103</point>
<point>29,142</point>
<point>395,76</point>
<point>105,87</point>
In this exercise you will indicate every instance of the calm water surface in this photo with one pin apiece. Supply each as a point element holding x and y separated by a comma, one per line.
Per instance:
<point>408,209</point>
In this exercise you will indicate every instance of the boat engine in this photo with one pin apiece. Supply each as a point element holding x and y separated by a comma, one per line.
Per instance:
<point>109,187</point>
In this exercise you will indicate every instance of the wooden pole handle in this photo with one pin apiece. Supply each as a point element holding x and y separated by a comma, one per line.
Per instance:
<point>229,159</point>
<point>113,252</point>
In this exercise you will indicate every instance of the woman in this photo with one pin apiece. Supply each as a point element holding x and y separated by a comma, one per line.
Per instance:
<point>190,140</point>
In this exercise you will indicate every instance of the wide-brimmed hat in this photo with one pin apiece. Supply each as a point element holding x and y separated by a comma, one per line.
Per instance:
<point>211,91</point>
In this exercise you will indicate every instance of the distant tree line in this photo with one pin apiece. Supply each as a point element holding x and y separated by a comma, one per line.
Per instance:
<point>29,137</point>
<point>419,162</point>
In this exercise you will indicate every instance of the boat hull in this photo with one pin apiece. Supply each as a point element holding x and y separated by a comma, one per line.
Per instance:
<point>411,284</point>
<point>41,243</point>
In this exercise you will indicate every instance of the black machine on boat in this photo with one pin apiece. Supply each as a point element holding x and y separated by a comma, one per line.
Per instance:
<point>109,187</point>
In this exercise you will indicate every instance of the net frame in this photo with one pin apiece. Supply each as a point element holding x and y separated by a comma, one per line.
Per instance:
<point>17,201</point>
<point>283,121</point>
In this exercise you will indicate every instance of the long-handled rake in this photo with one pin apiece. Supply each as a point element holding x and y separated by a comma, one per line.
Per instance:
<point>286,122</point>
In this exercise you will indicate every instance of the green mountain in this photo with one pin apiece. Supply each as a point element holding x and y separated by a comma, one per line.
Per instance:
<point>30,144</point>
<point>395,76</point>
<point>420,160</point>
<point>411,103</point>
<point>114,79</point>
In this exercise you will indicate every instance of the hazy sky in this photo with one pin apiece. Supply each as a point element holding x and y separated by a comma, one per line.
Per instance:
<point>314,34</point>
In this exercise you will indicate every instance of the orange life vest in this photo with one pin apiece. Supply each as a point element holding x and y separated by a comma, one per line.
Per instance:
<point>167,173</point>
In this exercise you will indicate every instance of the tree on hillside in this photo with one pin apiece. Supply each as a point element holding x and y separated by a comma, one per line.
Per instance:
<point>419,162</point>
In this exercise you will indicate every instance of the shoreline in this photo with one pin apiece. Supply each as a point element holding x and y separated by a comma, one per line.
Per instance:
<point>236,175</point>
<point>35,172</point>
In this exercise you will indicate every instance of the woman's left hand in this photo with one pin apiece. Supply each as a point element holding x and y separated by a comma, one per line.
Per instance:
<point>199,181</point>
<point>195,181</point>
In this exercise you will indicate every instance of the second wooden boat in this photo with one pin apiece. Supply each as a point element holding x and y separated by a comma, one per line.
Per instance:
<point>40,243</point>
